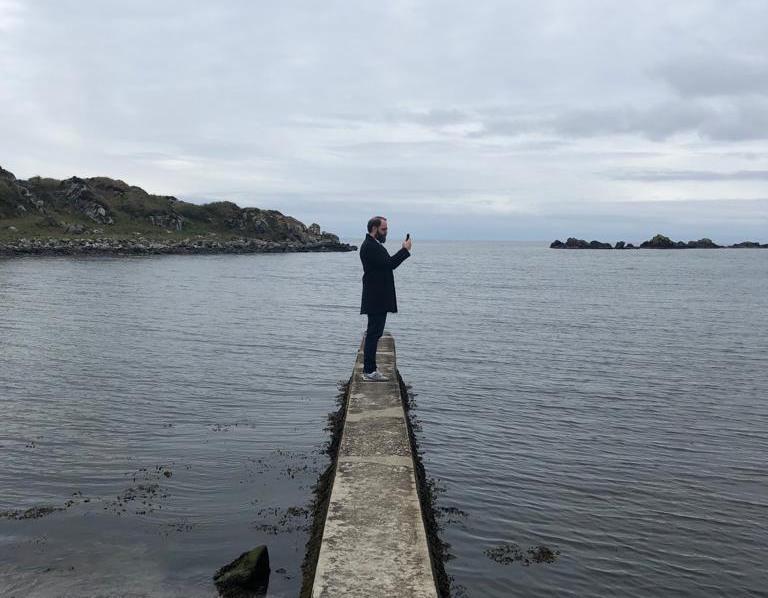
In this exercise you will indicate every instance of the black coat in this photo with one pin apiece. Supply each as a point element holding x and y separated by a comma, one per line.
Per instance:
<point>378,281</point>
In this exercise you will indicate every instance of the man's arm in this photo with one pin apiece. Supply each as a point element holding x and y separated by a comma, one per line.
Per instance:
<point>399,258</point>
<point>377,258</point>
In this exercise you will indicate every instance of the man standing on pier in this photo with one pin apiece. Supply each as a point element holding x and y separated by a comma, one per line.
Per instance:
<point>378,289</point>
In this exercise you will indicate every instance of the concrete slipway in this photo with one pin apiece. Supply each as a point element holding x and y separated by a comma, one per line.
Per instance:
<point>374,542</point>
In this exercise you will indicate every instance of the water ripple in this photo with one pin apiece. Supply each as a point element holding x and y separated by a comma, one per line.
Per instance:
<point>609,405</point>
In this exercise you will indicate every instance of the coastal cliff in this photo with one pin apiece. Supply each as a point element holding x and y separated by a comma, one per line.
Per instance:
<point>103,215</point>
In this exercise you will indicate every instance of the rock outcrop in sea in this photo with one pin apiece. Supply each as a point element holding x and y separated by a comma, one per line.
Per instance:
<point>657,242</point>
<point>103,215</point>
<point>245,577</point>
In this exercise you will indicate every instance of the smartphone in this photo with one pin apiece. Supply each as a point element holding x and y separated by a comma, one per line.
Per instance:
<point>407,236</point>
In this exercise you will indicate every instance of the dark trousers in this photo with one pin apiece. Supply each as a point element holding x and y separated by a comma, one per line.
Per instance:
<point>372,336</point>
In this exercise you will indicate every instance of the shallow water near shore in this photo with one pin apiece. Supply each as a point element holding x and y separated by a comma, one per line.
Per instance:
<point>609,405</point>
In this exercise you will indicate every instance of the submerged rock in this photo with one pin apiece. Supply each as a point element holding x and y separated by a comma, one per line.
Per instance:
<point>506,554</point>
<point>32,513</point>
<point>246,576</point>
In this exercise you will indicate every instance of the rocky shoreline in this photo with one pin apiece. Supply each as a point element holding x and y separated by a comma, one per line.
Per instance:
<point>143,246</point>
<point>657,242</point>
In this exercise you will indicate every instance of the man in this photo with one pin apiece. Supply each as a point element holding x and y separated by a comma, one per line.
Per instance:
<point>378,289</point>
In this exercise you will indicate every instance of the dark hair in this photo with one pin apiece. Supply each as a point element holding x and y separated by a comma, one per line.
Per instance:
<point>375,222</point>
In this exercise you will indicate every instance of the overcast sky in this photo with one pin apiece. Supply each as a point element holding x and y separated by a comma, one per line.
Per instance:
<point>498,119</point>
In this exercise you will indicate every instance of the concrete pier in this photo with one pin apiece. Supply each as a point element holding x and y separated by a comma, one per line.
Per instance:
<point>374,543</point>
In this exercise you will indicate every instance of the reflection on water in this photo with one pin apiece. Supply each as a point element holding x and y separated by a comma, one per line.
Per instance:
<point>170,411</point>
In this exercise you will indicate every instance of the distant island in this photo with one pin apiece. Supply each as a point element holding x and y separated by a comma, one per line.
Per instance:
<point>99,215</point>
<point>658,242</point>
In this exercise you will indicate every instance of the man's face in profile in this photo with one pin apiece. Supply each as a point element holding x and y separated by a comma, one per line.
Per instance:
<point>381,233</point>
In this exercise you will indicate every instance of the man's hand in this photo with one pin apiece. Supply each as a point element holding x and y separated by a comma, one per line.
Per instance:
<point>407,244</point>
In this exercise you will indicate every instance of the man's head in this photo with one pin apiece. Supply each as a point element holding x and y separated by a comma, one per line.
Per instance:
<point>377,228</point>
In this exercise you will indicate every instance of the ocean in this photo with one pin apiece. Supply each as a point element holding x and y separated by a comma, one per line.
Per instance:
<point>161,415</point>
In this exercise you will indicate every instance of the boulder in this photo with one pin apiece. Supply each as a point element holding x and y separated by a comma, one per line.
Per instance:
<point>326,236</point>
<point>171,221</point>
<point>80,196</point>
<point>314,229</point>
<point>7,174</point>
<point>703,244</point>
<point>74,229</point>
<point>573,243</point>
<point>658,242</point>
<point>599,245</point>
<point>250,221</point>
<point>619,245</point>
<point>247,575</point>
<point>49,222</point>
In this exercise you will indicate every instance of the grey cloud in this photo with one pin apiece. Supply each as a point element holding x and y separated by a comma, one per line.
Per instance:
<point>737,121</point>
<point>732,120</point>
<point>535,145</point>
<point>198,148</point>
<point>691,175</point>
<point>393,149</point>
<point>716,75</point>
<point>431,118</point>
<point>656,122</point>
<point>436,117</point>
<point>511,127</point>
<point>729,119</point>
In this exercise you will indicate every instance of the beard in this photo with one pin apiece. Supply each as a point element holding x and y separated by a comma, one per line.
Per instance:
<point>381,238</point>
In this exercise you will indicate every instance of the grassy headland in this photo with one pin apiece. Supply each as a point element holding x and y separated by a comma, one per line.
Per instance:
<point>80,212</point>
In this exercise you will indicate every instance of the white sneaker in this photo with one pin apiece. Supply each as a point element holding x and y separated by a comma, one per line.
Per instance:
<point>374,376</point>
